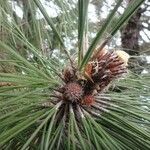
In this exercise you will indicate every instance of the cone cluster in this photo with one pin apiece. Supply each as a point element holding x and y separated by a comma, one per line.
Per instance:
<point>97,75</point>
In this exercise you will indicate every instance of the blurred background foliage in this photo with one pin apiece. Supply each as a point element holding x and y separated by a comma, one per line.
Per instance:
<point>133,37</point>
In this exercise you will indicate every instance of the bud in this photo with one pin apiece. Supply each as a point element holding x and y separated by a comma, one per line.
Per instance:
<point>73,92</point>
<point>88,100</point>
<point>123,56</point>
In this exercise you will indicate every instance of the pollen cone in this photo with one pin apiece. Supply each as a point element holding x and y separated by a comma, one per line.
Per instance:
<point>106,67</point>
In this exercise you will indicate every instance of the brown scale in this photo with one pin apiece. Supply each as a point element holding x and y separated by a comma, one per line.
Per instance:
<point>6,84</point>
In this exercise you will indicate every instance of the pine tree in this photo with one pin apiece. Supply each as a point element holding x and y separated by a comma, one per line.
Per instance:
<point>61,99</point>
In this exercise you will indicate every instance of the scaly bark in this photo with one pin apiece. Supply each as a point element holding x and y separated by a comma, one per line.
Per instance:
<point>130,33</point>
